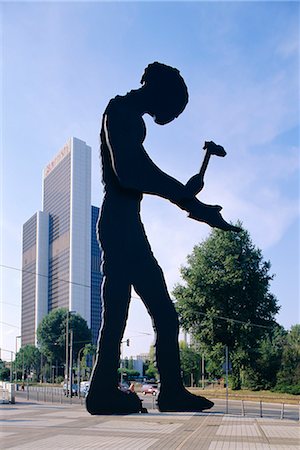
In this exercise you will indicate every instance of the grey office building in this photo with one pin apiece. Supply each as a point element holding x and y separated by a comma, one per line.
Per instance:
<point>61,255</point>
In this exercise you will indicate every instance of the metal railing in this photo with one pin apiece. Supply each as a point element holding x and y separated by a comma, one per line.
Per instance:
<point>243,408</point>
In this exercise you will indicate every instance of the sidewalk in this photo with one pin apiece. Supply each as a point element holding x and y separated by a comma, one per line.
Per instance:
<point>33,426</point>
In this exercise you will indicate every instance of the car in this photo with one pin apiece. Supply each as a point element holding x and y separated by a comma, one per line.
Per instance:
<point>124,386</point>
<point>150,388</point>
<point>84,388</point>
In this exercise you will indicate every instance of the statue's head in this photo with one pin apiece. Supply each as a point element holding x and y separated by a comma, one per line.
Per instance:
<point>166,90</point>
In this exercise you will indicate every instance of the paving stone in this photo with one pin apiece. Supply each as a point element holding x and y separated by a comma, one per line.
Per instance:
<point>34,422</point>
<point>238,430</point>
<point>240,445</point>
<point>67,442</point>
<point>68,414</point>
<point>135,427</point>
<point>70,427</point>
<point>154,413</point>
<point>5,434</point>
<point>282,432</point>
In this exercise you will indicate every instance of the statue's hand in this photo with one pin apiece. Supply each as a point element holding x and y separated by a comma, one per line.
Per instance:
<point>210,214</point>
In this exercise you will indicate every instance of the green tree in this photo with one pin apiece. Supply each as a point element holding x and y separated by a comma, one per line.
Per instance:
<point>51,334</point>
<point>88,355</point>
<point>128,374</point>
<point>227,278</point>
<point>288,377</point>
<point>268,361</point>
<point>150,369</point>
<point>28,359</point>
<point>4,371</point>
<point>214,360</point>
<point>190,363</point>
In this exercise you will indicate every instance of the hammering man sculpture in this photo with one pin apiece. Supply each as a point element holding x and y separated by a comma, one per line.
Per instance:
<point>128,261</point>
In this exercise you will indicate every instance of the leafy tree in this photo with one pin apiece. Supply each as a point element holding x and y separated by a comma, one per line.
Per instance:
<point>88,355</point>
<point>288,377</point>
<point>151,372</point>
<point>129,374</point>
<point>4,371</point>
<point>28,359</point>
<point>150,369</point>
<point>268,361</point>
<point>190,363</point>
<point>214,360</point>
<point>227,278</point>
<point>51,334</point>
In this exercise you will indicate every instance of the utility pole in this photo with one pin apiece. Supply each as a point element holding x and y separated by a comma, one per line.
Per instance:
<point>202,370</point>
<point>11,367</point>
<point>78,371</point>
<point>23,371</point>
<point>71,360</point>
<point>67,350</point>
<point>67,370</point>
<point>18,337</point>
<point>41,376</point>
<point>226,375</point>
<point>121,365</point>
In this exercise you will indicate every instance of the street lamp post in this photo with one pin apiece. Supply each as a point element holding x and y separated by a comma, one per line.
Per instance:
<point>121,364</point>
<point>202,370</point>
<point>11,366</point>
<point>18,337</point>
<point>71,361</point>
<point>67,352</point>
<point>78,370</point>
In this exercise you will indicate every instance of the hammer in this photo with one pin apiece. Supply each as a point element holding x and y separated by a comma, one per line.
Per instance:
<point>211,149</point>
<point>196,183</point>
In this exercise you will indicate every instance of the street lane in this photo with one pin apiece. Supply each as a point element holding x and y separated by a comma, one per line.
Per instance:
<point>235,407</point>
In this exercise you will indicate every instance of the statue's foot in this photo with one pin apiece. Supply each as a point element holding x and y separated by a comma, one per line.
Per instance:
<point>113,402</point>
<point>182,401</point>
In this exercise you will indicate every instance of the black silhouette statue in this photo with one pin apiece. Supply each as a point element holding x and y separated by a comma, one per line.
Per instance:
<point>128,261</point>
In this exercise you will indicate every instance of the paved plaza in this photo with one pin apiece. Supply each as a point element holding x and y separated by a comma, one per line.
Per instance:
<point>35,426</point>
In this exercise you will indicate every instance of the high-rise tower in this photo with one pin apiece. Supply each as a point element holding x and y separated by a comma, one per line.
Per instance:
<point>35,266</point>
<point>58,244</point>
<point>67,199</point>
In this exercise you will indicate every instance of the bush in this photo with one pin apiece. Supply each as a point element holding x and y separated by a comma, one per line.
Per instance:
<point>252,381</point>
<point>4,374</point>
<point>287,388</point>
<point>234,381</point>
<point>59,379</point>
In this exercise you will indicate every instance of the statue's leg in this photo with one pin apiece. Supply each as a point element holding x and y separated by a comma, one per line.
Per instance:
<point>149,283</point>
<point>153,291</point>
<point>104,397</point>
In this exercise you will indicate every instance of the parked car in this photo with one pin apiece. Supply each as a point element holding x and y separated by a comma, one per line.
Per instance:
<point>124,386</point>
<point>84,388</point>
<point>150,388</point>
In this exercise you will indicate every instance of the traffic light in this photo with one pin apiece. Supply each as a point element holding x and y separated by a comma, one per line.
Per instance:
<point>127,342</point>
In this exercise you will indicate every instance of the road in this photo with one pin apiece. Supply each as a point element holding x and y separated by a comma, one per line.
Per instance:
<point>235,407</point>
<point>245,408</point>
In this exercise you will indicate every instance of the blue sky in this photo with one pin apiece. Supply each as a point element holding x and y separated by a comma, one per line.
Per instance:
<point>62,62</point>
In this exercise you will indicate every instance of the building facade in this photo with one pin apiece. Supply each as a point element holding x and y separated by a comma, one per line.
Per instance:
<point>60,245</point>
<point>96,277</point>
<point>35,253</point>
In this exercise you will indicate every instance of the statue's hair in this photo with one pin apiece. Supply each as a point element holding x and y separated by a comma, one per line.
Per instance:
<point>168,80</point>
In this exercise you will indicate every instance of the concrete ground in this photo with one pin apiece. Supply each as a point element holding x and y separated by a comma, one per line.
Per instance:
<point>35,426</point>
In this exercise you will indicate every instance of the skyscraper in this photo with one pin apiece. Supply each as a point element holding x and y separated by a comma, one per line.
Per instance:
<point>96,277</point>
<point>60,245</point>
<point>35,259</point>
